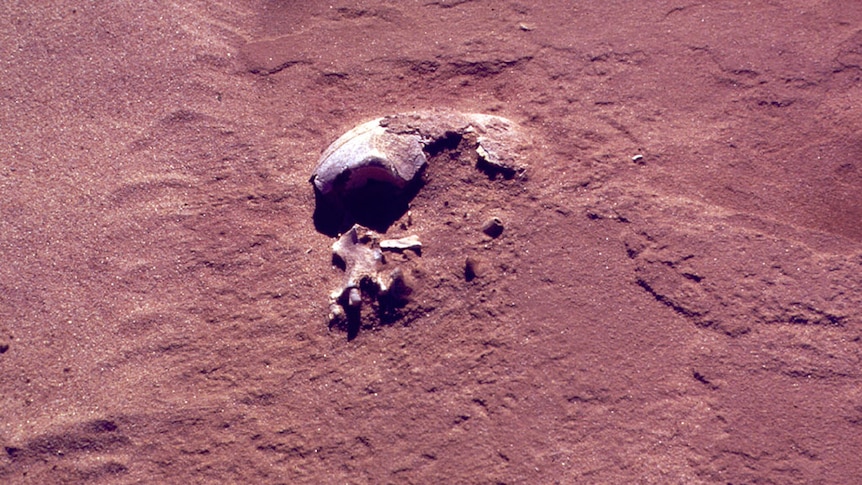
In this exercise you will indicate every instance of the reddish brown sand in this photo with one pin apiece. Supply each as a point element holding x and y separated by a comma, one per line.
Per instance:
<point>694,316</point>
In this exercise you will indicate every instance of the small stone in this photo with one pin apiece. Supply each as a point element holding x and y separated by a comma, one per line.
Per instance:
<point>354,298</point>
<point>493,227</point>
<point>471,268</point>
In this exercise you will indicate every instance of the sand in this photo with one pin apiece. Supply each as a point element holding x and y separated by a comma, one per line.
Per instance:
<point>676,296</point>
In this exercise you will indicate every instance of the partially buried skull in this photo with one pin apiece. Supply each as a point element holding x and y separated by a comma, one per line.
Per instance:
<point>365,180</point>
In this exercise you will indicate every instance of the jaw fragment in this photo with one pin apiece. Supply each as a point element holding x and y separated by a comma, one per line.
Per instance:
<point>366,276</point>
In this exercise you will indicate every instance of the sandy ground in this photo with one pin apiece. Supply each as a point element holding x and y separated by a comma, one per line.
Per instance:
<point>690,316</point>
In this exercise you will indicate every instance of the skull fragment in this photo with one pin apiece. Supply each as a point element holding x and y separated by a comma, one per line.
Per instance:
<point>370,174</point>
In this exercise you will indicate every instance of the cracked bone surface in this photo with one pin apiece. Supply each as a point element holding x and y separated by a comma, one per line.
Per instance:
<point>368,152</point>
<point>361,250</point>
<point>497,140</point>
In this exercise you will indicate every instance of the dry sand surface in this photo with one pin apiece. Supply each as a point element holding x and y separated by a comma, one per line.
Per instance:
<point>676,296</point>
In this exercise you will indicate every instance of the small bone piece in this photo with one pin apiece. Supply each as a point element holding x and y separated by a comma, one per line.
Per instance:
<point>409,242</point>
